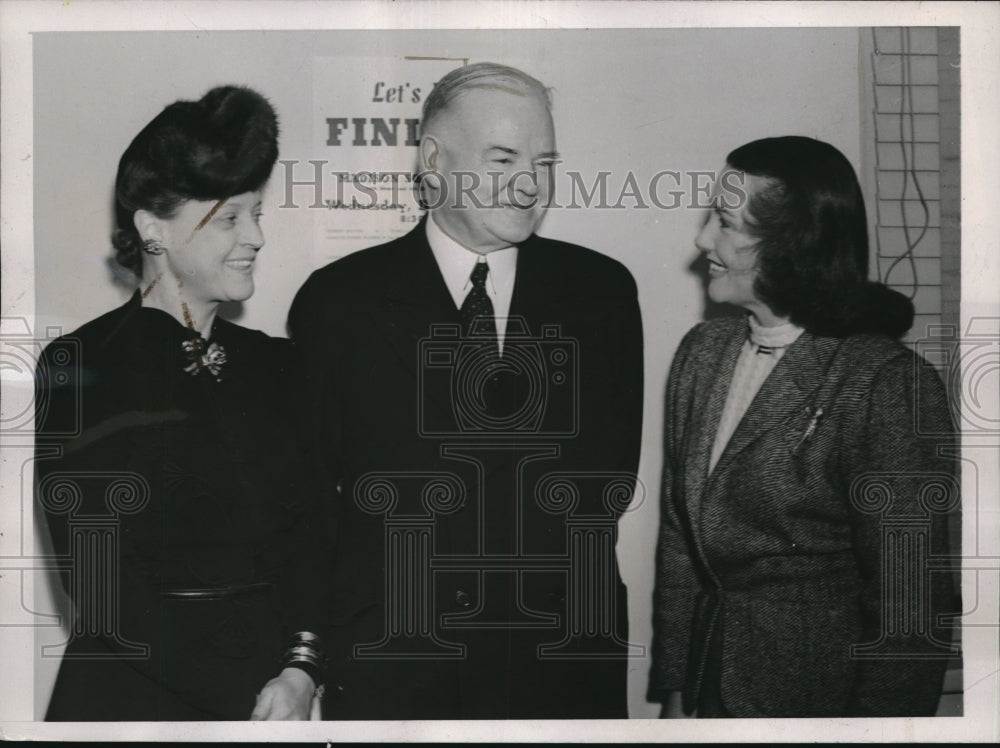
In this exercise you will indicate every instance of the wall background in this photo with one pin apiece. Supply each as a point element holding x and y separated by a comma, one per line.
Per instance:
<point>640,100</point>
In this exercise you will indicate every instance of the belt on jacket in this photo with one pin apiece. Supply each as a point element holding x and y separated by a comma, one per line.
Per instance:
<point>216,593</point>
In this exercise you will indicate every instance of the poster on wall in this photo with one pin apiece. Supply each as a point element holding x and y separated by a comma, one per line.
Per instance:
<point>367,125</point>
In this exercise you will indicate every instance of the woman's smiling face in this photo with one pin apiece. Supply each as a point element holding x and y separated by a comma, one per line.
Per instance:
<point>213,253</point>
<point>730,248</point>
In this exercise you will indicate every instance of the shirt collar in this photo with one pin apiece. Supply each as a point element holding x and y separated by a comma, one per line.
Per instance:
<point>456,262</point>
<point>773,337</point>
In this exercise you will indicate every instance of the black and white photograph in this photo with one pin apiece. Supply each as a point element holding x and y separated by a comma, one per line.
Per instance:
<point>499,371</point>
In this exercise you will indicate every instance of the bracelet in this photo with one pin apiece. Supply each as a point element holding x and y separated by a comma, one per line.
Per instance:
<point>306,652</point>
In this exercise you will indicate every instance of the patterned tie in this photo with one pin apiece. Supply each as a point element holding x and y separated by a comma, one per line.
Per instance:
<point>477,306</point>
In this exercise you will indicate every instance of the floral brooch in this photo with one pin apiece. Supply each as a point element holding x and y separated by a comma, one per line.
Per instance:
<point>208,357</point>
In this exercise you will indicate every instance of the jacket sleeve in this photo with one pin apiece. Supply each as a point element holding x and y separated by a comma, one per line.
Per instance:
<point>676,584</point>
<point>903,492</point>
<point>625,412</point>
<point>305,585</point>
<point>603,453</point>
<point>313,323</point>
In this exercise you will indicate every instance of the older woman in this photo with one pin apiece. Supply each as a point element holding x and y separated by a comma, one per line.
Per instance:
<point>804,492</point>
<point>174,433</point>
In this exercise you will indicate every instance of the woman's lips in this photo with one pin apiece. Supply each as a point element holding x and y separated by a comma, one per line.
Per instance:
<point>715,269</point>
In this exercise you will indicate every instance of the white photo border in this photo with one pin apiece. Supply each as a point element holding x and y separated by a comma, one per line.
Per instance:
<point>980,24</point>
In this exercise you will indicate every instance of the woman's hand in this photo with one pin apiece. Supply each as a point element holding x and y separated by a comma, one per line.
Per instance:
<point>289,696</point>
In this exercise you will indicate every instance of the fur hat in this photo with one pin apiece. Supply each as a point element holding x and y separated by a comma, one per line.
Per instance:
<point>223,145</point>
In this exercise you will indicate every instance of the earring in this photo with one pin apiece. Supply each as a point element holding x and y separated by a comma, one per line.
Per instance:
<point>153,247</point>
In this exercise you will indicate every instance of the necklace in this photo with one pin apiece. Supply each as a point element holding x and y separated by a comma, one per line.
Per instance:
<point>768,340</point>
<point>151,285</point>
<point>202,355</point>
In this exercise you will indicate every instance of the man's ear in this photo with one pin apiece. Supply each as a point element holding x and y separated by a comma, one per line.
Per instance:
<point>148,225</point>
<point>429,149</point>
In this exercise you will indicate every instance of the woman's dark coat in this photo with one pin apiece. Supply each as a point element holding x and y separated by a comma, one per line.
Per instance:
<point>181,511</point>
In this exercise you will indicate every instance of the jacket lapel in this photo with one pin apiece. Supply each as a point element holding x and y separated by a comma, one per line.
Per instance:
<point>714,372</point>
<point>415,297</point>
<point>794,379</point>
<point>415,302</point>
<point>537,299</point>
<point>541,294</point>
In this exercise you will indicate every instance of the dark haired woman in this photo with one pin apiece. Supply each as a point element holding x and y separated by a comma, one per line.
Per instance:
<point>801,502</point>
<point>176,487</point>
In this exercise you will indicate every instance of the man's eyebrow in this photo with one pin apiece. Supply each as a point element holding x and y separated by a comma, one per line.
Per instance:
<point>515,152</point>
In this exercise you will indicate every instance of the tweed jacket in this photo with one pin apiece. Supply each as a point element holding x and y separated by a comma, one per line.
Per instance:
<point>815,546</point>
<point>498,508</point>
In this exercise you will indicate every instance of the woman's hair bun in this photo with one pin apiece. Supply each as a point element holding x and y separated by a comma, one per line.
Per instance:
<point>884,310</point>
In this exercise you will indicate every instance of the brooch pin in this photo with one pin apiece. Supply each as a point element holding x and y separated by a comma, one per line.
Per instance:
<point>810,428</point>
<point>211,358</point>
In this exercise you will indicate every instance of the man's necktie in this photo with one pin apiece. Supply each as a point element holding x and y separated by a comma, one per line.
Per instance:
<point>477,309</point>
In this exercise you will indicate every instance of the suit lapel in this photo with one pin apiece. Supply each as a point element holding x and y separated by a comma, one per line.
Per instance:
<point>714,372</point>
<point>415,300</point>
<point>537,299</point>
<point>794,379</point>
<point>540,294</point>
<point>414,281</point>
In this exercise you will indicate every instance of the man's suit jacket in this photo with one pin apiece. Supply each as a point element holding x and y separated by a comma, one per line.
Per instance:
<point>816,530</point>
<point>475,570</point>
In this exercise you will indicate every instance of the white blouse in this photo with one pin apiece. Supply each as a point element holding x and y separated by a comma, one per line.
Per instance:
<point>760,354</point>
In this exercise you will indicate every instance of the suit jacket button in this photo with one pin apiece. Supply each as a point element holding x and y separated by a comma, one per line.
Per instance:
<point>463,599</point>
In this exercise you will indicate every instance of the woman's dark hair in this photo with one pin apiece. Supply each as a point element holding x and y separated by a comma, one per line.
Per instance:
<point>809,219</point>
<point>223,145</point>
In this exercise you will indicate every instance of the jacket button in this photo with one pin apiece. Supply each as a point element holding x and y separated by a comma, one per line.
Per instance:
<point>463,599</point>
